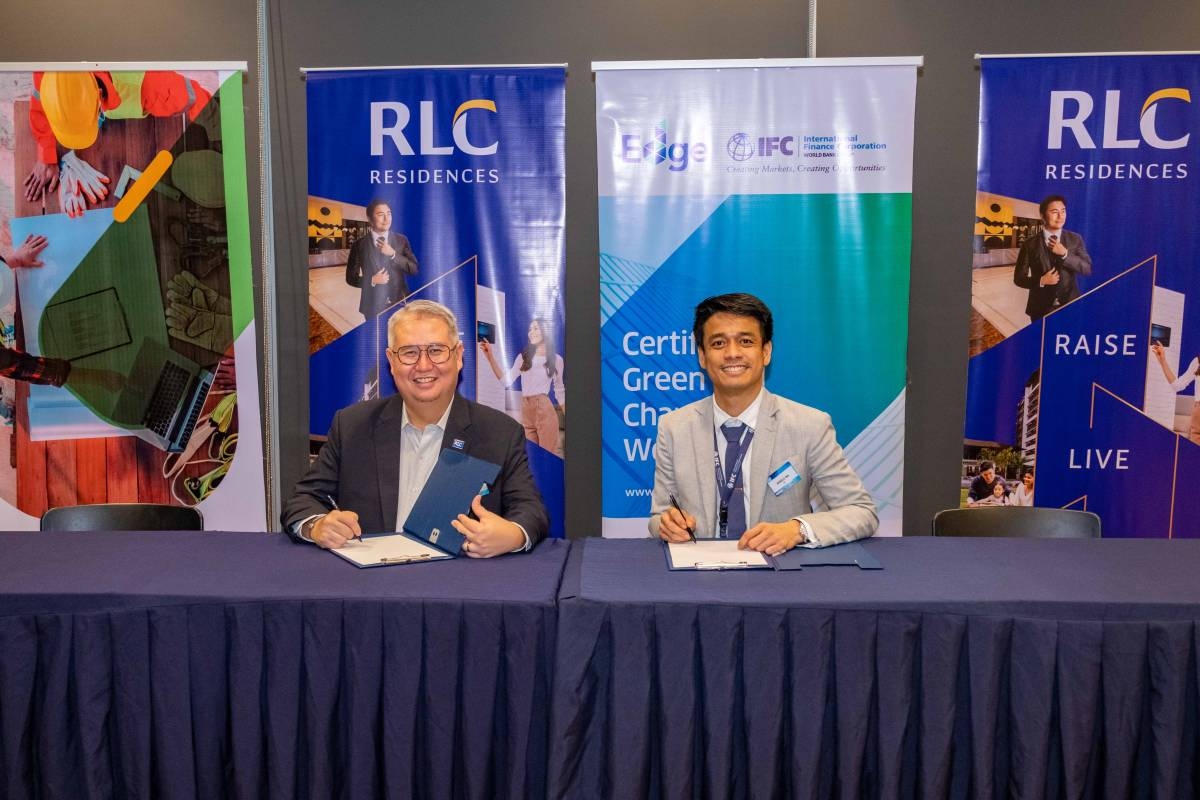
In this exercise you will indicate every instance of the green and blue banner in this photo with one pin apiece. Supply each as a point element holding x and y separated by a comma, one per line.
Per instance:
<point>788,180</point>
<point>1084,345</point>
<point>128,348</point>
<point>444,184</point>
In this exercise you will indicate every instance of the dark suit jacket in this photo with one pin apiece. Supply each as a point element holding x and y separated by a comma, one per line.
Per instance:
<point>1034,260</point>
<point>359,466</point>
<point>365,260</point>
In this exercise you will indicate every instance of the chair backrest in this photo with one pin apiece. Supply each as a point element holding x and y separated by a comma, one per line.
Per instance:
<point>1020,522</point>
<point>122,517</point>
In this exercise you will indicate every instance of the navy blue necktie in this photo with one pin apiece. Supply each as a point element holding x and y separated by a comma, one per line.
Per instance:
<point>735,522</point>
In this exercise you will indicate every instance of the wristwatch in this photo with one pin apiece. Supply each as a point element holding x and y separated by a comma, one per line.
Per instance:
<point>306,528</point>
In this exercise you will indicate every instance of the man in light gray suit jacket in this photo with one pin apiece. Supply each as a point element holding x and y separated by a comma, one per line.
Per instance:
<point>748,464</point>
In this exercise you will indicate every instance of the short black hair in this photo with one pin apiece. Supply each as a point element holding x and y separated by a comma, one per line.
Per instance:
<point>739,304</point>
<point>1047,200</point>
<point>984,466</point>
<point>376,203</point>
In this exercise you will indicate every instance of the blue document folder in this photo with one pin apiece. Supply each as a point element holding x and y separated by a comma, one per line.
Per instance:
<point>453,484</point>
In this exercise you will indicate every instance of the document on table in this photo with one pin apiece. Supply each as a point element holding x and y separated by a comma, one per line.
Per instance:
<point>715,554</point>
<point>388,549</point>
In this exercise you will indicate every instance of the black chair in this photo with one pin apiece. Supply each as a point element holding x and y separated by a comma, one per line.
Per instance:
<point>1020,522</point>
<point>122,517</point>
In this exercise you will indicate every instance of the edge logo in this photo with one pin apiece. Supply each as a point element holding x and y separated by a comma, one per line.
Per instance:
<point>657,150</point>
<point>1084,105</point>
<point>401,116</point>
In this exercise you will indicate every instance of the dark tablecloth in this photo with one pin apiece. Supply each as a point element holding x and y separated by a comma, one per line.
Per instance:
<point>201,665</point>
<point>965,668</point>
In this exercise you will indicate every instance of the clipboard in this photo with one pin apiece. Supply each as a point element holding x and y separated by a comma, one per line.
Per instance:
<point>388,550</point>
<point>453,484</point>
<point>712,555</point>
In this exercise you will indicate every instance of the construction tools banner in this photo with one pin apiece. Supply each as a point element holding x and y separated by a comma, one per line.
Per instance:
<point>1083,373</point>
<point>444,184</point>
<point>791,181</point>
<point>127,345</point>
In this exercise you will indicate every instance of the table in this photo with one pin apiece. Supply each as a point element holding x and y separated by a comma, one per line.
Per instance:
<point>200,665</point>
<point>965,668</point>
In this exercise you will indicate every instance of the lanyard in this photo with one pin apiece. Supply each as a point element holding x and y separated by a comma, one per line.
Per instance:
<point>725,483</point>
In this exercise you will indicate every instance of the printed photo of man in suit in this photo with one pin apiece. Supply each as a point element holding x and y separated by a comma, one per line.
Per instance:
<point>379,261</point>
<point>1050,264</point>
<point>746,464</point>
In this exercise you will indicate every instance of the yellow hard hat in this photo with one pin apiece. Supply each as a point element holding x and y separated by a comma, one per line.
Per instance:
<point>71,101</point>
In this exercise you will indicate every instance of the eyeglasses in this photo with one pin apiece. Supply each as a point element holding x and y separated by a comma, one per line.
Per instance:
<point>411,354</point>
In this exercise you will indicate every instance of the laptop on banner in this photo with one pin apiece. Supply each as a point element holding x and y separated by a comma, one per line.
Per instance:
<point>163,397</point>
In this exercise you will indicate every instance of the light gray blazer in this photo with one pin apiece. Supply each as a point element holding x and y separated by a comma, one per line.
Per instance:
<point>787,431</point>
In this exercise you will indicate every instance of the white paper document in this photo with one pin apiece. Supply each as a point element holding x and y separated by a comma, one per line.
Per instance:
<point>714,554</point>
<point>386,550</point>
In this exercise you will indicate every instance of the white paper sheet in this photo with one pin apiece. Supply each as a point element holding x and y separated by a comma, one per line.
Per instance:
<point>381,551</point>
<point>714,554</point>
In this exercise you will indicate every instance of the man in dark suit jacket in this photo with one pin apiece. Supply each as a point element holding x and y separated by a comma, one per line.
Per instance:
<point>379,261</point>
<point>1051,262</point>
<point>379,452</point>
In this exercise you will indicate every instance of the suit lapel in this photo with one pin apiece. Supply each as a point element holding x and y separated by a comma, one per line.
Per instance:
<point>457,424</point>
<point>387,441</point>
<point>702,457</point>
<point>763,457</point>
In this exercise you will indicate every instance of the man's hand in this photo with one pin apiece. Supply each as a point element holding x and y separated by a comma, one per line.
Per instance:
<point>380,277</point>
<point>42,180</point>
<point>386,248</point>
<point>1051,278</point>
<point>335,529</point>
<point>673,525</point>
<point>490,534</point>
<point>1058,248</point>
<point>772,538</point>
<point>27,254</point>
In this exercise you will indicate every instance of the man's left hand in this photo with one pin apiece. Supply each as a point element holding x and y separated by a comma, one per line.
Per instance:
<point>772,538</point>
<point>385,247</point>
<point>490,534</point>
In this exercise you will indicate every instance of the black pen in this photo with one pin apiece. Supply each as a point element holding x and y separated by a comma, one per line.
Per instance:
<point>335,507</point>
<point>675,503</point>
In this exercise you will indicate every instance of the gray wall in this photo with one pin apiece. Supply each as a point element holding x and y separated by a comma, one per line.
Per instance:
<point>310,34</point>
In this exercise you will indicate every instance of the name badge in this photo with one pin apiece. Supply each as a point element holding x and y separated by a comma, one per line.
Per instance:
<point>783,478</point>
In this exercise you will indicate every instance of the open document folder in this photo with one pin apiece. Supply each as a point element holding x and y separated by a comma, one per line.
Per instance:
<point>723,554</point>
<point>427,534</point>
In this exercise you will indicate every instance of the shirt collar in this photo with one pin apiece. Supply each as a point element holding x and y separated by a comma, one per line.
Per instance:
<point>440,424</point>
<point>749,416</point>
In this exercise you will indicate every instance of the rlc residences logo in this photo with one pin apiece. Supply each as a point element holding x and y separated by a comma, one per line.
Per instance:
<point>1071,111</point>
<point>678,156</point>
<point>389,121</point>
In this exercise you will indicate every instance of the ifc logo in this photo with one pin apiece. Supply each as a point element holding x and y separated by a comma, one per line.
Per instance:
<point>740,147</point>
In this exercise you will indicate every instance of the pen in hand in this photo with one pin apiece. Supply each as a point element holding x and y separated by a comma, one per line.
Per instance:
<point>675,505</point>
<point>333,506</point>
